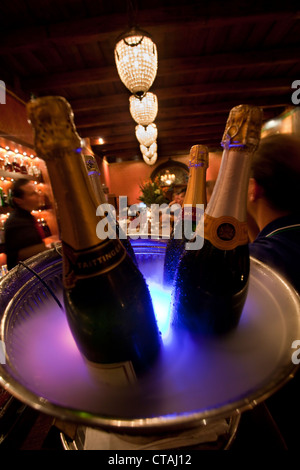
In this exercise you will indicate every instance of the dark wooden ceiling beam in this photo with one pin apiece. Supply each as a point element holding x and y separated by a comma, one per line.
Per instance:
<point>176,113</point>
<point>121,101</point>
<point>102,28</point>
<point>164,149</point>
<point>123,143</point>
<point>74,58</point>
<point>229,88</point>
<point>269,89</point>
<point>229,61</point>
<point>172,128</point>
<point>168,139</point>
<point>220,107</point>
<point>127,133</point>
<point>176,124</point>
<point>180,66</point>
<point>176,121</point>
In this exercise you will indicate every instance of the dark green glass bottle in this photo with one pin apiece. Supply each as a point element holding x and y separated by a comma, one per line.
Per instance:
<point>212,283</point>
<point>107,302</point>
<point>93,172</point>
<point>195,200</point>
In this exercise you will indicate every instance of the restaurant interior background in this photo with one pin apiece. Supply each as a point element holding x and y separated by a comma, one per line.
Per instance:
<point>212,56</point>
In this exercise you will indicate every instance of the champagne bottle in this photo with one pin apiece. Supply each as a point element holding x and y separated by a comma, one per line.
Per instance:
<point>195,195</point>
<point>45,227</point>
<point>8,164</point>
<point>2,198</point>
<point>107,302</point>
<point>211,283</point>
<point>16,165</point>
<point>23,167</point>
<point>94,177</point>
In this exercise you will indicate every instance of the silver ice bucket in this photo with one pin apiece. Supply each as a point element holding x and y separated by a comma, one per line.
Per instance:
<point>195,383</point>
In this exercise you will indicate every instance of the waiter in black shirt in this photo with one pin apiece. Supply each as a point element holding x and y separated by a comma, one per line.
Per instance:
<point>23,238</point>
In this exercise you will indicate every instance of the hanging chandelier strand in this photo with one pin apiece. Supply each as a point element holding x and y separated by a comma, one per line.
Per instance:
<point>144,109</point>
<point>136,61</point>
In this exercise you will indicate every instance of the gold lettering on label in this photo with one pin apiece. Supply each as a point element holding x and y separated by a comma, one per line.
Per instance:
<point>100,260</point>
<point>99,264</point>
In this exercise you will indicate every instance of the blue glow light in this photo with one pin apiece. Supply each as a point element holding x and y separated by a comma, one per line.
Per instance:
<point>161,299</point>
<point>150,255</point>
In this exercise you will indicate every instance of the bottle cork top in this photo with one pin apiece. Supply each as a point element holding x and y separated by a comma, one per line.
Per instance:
<point>243,127</point>
<point>52,120</point>
<point>198,156</point>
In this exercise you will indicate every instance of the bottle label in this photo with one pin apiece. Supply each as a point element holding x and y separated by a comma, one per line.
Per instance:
<point>225,233</point>
<point>120,373</point>
<point>80,264</point>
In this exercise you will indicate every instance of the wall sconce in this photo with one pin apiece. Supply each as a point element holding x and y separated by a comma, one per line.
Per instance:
<point>168,178</point>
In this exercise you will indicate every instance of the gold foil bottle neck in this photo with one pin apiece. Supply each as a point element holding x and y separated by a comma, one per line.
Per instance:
<point>52,120</point>
<point>196,188</point>
<point>243,127</point>
<point>198,156</point>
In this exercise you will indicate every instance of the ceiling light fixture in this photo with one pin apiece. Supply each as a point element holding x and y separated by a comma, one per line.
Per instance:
<point>149,151</point>
<point>150,160</point>
<point>168,178</point>
<point>146,135</point>
<point>136,60</point>
<point>144,109</point>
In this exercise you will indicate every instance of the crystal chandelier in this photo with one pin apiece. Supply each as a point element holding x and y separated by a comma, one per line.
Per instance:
<point>150,160</point>
<point>144,110</point>
<point>168,178</point>
<point>136,60</point>
<point>149,151</point>
<point>146,135</point>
